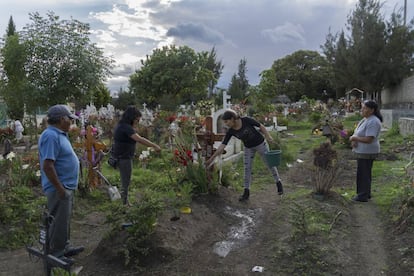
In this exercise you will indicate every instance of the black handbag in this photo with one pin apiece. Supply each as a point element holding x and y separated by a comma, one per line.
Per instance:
<point>112,160</point>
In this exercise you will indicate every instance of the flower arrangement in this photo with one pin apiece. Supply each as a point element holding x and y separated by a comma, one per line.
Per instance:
<point>205,107</point>
<point>345,134</point>
<point>144,157</point>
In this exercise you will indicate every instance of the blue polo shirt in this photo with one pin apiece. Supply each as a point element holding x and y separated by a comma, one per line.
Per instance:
<point>54,144</point>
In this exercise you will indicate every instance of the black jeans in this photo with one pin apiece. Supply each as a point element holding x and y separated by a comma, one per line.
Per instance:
<point>364,177</point>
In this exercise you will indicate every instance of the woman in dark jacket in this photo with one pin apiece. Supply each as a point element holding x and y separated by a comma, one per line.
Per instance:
<point>125,139</point>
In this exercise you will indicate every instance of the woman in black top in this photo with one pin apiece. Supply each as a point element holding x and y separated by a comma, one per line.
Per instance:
<point>244,129</point>
<point>125,139</point>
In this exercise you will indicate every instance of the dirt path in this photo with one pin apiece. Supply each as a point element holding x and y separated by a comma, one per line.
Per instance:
<point>369,239</point>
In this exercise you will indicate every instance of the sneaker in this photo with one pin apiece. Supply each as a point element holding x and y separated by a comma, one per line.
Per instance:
<point>245,195</point>
<point>72,251</point>
<point>279,187</point>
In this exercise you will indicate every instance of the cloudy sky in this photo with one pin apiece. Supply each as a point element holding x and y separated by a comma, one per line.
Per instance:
<point>260,31</point>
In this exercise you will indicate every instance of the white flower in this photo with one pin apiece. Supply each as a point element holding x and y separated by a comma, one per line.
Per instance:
<point>38,173</point>
<point>10,156</point>
<point>25,166</point>
<point>144,155</point>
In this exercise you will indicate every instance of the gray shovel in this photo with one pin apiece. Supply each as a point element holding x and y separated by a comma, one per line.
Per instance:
<point>112,190</point>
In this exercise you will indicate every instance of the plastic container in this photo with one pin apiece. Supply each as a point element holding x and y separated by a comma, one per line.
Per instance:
<point>273,157</point>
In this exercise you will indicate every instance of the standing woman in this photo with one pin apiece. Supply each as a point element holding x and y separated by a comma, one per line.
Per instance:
<point>125,139</point>
<point>365,145</point>
<point>244,129</point>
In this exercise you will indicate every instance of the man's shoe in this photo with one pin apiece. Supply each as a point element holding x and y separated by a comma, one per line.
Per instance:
<point>72,251</point>
<point>357,198</point>
<point>279,187</point>
<point>245,195</point>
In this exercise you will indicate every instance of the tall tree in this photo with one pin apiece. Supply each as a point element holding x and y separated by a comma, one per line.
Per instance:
<point>303,73</point>
<point>14,80</point>
<point>399,49</point>
<point>335,50</point>
<point>63,64</point>
<point>239,84</point>
<point>367,44</point>
<point>170,76</point>
<point>214,66</point>
<point>99,96</point>
<point>11,27</point>
<point>377,54</point>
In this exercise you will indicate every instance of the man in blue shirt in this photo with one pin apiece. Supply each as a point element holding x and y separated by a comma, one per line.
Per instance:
<point>59,166</point>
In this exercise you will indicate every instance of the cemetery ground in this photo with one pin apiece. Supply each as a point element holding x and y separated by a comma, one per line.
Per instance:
<point>296,234</point>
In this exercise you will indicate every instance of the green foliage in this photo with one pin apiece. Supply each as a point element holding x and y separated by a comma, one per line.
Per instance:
<point>307,224</point>
<point>19,202</point>
<point>19,215</point>
<point>21,171</point>
<point>99,95</point>
<point>394,130</point>
<point>377,54</point>
<point>143,217</point>
<point>125,98</point>
<point>282,121</point>
<point>11,27</point>
<point>315,117</point>
<point>239,84</point>
<point>197,175</point>
<point>14,55</point>
<point>301,73</point>
<point>63,63</point>
<point>172,76</point>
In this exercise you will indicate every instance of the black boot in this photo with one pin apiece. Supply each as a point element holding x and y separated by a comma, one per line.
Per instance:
<point>279,187</point>
<point>245,195</point>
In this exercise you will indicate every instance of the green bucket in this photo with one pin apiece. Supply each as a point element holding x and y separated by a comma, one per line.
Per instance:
<point>273,157</point>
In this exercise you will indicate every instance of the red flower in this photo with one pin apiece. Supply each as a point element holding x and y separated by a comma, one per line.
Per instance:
<point>171,118</point>
<point>183,156</point>
<point>183,119</point>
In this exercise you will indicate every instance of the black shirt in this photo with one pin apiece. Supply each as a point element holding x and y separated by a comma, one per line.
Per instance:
<point>248,134</point>
<point>124,145</point>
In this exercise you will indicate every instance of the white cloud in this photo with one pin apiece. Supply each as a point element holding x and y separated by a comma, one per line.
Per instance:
<point>287,32</point>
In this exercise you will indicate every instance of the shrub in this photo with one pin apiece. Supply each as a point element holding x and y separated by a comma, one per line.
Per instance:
<point>326,168</point>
